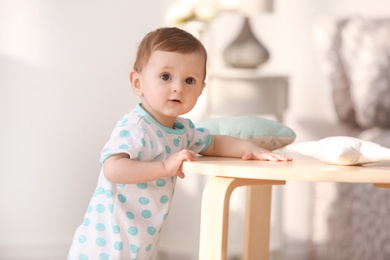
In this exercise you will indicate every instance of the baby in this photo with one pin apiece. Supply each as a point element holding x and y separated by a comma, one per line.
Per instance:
<point>147,147</point>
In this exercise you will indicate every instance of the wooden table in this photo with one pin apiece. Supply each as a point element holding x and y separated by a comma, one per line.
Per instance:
<point>260,176</point>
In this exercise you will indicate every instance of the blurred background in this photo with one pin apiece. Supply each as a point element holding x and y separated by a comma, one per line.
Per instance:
<point>64,68</point>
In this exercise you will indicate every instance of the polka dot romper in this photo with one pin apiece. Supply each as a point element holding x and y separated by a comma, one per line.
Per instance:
<point>123,221</point>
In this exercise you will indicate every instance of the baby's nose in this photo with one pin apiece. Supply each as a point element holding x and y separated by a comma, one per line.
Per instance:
<point>178,87</point>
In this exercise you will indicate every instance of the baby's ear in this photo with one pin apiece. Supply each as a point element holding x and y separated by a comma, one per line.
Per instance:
<point>203,85</point>
<point>135,82</point>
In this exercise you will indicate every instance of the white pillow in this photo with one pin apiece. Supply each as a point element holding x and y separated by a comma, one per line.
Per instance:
<point>266,133</point>
<point>343,150</point>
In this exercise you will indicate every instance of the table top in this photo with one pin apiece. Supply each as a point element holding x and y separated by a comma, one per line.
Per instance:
<point>302,168</point>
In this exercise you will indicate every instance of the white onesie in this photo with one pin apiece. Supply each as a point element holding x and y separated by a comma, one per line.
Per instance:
<point>123,221</point>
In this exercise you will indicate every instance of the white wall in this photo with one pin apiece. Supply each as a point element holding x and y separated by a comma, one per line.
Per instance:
<point>64,83</point>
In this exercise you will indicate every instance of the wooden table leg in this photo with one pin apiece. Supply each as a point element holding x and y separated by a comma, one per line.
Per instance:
<point>215,215</point>
<point>257,222</point>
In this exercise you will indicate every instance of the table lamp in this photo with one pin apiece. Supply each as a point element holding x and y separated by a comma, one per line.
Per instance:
<point>246,51</point>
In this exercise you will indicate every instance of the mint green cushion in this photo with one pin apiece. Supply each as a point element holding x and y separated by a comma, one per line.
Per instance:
<point>266,133</point>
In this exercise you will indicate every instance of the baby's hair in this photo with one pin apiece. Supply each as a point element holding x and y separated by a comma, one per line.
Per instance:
<point>169,39</point>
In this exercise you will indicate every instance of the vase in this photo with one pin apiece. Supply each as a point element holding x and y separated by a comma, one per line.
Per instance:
<point>246,51</point>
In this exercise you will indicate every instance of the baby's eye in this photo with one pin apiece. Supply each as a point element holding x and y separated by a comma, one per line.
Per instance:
<point>165,77</point>
<point>190,81</point>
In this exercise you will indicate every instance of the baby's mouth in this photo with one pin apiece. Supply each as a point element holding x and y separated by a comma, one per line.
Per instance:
<point>175,100</point>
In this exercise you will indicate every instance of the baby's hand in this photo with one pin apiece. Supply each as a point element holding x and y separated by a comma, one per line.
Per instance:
<point>174,162</point>
<point>265,155</point>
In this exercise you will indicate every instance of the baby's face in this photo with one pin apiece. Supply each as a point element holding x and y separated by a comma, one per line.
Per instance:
<point>170,84</point>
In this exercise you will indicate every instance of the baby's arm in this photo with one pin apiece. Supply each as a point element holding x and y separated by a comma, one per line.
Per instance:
<point>228,146</point>
<point>119,168</point>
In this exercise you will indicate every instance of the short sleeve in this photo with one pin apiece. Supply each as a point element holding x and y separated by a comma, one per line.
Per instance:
<point>129,139</point>
<point>199,139</point>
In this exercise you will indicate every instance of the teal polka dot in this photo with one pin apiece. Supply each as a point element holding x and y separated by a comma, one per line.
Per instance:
<point>100,208</point>
<point>100,227</point>
<point>191,124</point>
<point>188,143</point>
<point>200,130</point>
<point>124,147</point>
<point>130,215</point>
<point>143,142</point>
<point>83,257</point>
<point>199,143</point>
<point>109,193</point>
<point>176,142</point>
<point>148,248</point>
<point>106,149</point>
<point>121,185</point>
<point>151,231</point>
<point>99,191</point>
<point>168,149</point>
<point>142,186</point>
<point>89,209</point>
<point>82,239</point>
<point>111,208</point>
<point>118,246</point>
<point>144,201</point>
<point>159,134</point>
<point>164,199</point>
<point>124,134</point>
<point>178,125</point>
<point>133,231</point>
<point>151,144</point>
<point>165,216</point>
<point>116,229</point>
<point>146,213</point>
<point>124,120</point>
<point>160,183</point>
<point>139,155</point>
<point>104,256</point>
<point>121,198</point>
<point>101,242</point>
<point>86,222</point>
<point>134,248</point>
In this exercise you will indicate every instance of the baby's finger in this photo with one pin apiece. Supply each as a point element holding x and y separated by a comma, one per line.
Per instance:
<point>272,157</point>
<point>282,157</point>
<point>247,156</point>
<point>180,174</point>
<point>266,156</point>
